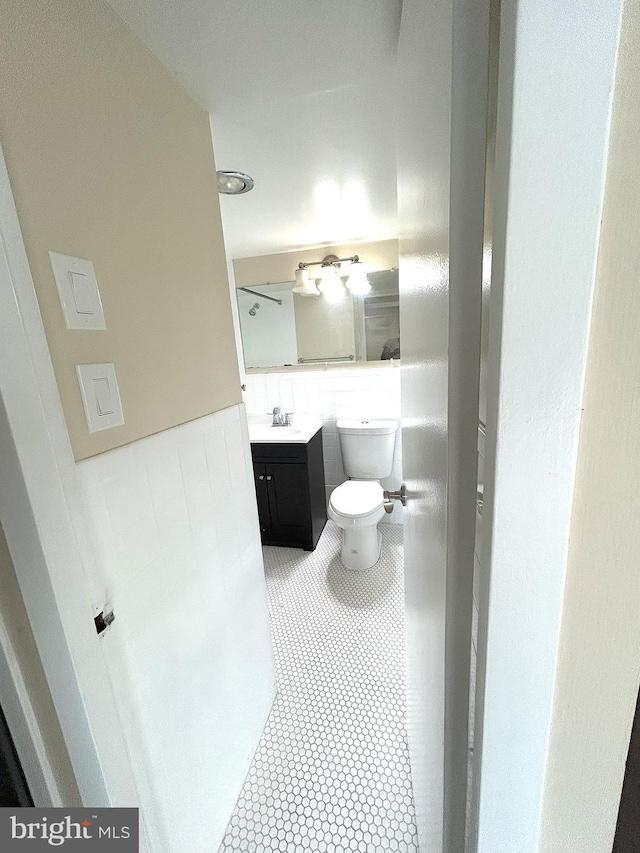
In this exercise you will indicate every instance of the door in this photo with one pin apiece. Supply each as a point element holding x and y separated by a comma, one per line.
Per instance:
<point>627,838</point>
<point>288,487</point>
<point>282,490</point>
<point>441,152</point>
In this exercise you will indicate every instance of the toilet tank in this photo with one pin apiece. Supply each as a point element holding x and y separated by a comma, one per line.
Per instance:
<point>367,448</point>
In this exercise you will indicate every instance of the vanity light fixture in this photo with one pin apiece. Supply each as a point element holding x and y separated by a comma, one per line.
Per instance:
<point>233,183</point>
<point>330,285</point>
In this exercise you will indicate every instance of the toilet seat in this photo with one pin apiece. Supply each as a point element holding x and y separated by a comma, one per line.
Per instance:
<point>357,498</point>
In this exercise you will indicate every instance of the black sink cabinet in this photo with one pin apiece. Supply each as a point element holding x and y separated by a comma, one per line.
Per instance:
<point>292,504</point>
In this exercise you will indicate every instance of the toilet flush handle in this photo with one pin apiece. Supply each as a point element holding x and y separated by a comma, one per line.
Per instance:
<point>390,497</point>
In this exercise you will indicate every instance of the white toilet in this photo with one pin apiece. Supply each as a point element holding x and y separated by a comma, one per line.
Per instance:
<point>357,505</point>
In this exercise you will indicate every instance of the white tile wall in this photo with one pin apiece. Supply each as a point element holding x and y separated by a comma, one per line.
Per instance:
<point>358,393</point>
<point>170,526</point>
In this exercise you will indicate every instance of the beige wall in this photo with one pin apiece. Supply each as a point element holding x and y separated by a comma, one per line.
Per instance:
<point>111,160</point>
<point>380,255</point>
<point>599,658</point>
<point>16,623</point>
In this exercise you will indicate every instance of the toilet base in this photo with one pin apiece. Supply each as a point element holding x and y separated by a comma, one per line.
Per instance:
<point>360,547</point>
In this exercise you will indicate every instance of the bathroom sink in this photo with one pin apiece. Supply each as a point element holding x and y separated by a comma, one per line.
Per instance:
<point>304,427</point>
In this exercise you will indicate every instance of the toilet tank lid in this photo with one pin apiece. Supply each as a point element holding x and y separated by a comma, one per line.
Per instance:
<point>366,427</point>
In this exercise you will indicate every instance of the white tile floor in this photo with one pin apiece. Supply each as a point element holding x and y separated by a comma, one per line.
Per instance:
<point>332,769</point>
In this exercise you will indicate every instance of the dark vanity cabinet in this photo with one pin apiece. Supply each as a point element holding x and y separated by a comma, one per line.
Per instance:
<point>291,494</point>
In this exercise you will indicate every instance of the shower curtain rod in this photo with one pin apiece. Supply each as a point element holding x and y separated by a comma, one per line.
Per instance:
<point>261,295</point>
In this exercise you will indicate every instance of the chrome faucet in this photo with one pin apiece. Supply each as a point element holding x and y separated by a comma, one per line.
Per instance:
<point>279,418</point>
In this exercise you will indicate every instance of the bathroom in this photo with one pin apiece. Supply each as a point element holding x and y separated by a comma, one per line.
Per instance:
<point>230,437</point>
<point>186,632</point>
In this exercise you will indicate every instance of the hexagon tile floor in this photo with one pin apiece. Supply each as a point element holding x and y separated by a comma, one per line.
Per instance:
<point>332,769</point>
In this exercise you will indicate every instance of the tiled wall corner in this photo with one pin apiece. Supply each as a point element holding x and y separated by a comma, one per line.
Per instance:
<point>170,527</point>
<point>358,393</point>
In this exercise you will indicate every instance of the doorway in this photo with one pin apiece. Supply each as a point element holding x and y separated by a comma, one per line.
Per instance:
<point>627,837</point>
<point>166,694</point>
<point>14,791</point>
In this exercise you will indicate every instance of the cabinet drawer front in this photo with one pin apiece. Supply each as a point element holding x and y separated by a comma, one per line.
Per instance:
<point>279,452</point>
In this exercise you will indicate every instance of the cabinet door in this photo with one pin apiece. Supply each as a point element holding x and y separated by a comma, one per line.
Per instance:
<point>262,494</point>
<point>288,487</point>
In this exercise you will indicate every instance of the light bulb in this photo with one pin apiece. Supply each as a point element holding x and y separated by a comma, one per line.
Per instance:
<point>357,282</point>
<point>330,285</point>
<point>328,278</point>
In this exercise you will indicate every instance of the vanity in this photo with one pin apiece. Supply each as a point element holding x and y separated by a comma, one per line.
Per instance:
<point>288,469</point>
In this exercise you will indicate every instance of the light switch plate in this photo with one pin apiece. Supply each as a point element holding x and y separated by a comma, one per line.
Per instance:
<point>100,396</point>
<point>78,290</point>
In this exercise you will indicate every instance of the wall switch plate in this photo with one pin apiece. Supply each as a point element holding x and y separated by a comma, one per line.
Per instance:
<point>78,290</point>
<point>100,396</point>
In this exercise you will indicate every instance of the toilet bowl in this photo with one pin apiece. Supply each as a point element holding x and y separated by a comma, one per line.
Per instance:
<point>357,506</point>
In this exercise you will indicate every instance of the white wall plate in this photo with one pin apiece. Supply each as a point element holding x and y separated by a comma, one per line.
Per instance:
<point>100,396</point>
<point>79,294</point>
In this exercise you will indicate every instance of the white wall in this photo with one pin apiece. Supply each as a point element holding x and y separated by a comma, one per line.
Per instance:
<point>557,65</point>
<point>268,336</point>
<point>599,659</point>
<point>341,393</point>
<point>170,527</point>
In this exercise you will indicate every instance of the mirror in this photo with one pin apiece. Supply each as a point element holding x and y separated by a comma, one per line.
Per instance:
<point>281,328</point>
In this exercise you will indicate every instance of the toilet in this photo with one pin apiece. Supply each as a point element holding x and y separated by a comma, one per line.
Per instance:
<point>358,505</point>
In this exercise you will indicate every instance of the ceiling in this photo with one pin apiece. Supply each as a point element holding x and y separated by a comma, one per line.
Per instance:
<point>301,94</point>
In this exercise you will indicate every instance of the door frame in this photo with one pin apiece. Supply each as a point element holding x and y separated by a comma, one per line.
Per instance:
<point>37,473</point>
<point>23,726</point>
<point>556,79</point>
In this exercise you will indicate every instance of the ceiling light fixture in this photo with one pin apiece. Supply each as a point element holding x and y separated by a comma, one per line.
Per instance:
<point>330,284</point>
<point>233,183</point>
